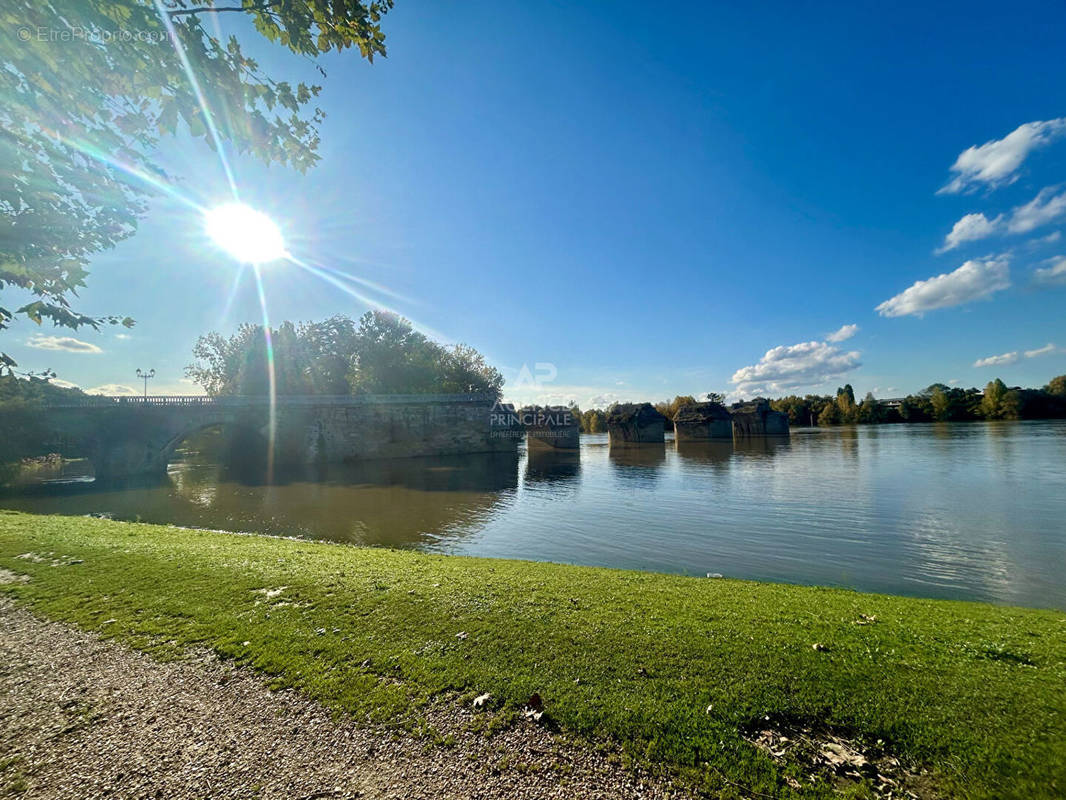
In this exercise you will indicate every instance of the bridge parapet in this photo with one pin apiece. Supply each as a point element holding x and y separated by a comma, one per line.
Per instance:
<point>244,401</point>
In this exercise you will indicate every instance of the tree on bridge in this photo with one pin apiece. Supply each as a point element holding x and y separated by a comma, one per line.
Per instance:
<point>383,354</point>
<point>89,88</point>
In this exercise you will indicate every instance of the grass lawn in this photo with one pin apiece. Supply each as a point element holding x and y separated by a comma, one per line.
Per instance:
<point>676,670</point>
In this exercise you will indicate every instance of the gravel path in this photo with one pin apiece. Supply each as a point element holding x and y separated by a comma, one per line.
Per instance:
<point>87,718</point>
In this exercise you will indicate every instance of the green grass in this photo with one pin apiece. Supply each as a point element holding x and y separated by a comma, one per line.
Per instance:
<point>671,668</point>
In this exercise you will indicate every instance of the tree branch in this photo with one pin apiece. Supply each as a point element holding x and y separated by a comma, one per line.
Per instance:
<point>188,12</point>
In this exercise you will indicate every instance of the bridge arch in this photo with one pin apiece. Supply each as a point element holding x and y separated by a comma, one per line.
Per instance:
<point>126,439</point>
<point>238,443</point>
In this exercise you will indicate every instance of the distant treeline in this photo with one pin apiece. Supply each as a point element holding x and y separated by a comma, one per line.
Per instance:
<point>936,403</point>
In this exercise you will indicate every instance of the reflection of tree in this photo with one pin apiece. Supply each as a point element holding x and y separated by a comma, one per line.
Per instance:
<point>849,443</point>
<point>398,503</point>
<point>944,432</point>
<point>1001,447</point>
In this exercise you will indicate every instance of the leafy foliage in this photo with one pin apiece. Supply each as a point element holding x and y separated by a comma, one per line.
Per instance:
<point>669,409</point>
<point>936,403</point>
<point>23,431</point>
<point>999,402</point>
<point>33,390</point>
<point>594,421</point>
<point>309,358</point>
<point>382,355</point>
<point>90,86</point>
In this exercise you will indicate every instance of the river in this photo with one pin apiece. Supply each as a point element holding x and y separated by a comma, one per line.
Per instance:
<point>967,511</point>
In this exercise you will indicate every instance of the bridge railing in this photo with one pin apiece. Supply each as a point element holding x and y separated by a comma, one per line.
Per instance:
<point>240,401</point>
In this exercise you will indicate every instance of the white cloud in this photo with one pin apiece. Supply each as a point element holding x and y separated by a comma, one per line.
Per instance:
<point>998,361</point>
<point>1051,238</point>
<point>62,384</point>
<point>845,332</point>
<point>1054,273</point>
<point>974,280</point>
<point>1046,350</point>
<point>969,229</point>
<point>996,163</point>
<point>66,344</point>
<point>112,389</point>
<point>123,336</point>
<point>1044,208</point>
<point>561,395</point>
<point>792,366</point>
<point>1014,356</point>
<point>603,400</point>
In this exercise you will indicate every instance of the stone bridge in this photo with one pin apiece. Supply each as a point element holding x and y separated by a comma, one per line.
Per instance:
<point>127,436</point>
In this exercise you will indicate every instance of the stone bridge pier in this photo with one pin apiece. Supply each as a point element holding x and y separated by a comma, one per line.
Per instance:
<point>634,424</point>
<point>758,419</point>
<point>125,437</point>
<point>550,428</point>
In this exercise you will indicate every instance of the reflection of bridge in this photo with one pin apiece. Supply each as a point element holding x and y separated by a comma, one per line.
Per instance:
<point>138,435</point>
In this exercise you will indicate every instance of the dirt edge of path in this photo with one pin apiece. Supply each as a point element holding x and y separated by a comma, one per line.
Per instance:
<point>86,717</point>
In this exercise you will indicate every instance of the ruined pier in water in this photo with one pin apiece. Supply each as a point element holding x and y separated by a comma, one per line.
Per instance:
<point>639,423</point>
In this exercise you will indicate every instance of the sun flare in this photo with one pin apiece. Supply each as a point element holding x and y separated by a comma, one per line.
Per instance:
<point>248,235</point>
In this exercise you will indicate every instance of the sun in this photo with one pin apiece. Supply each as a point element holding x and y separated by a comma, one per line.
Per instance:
<point>248,235</point>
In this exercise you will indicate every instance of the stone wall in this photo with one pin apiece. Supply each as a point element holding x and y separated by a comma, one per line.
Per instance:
<point>550,428</point>
<point>635,423</point>
<point>125,441</point>
<point>758,419</point>
<point>702,422</point>
<point>397,430</point>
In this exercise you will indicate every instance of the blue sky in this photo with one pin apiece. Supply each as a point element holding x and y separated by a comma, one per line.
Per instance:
<point>700,199</point>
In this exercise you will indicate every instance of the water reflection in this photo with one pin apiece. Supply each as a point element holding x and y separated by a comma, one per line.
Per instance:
<point>398,503</point>
<point>555,468</point>
<point>760,446</point>
<point>716,455</point>
<point>966,510</point>
<point>849,442</point>
<point>645,455</point>
<point>637,466</point>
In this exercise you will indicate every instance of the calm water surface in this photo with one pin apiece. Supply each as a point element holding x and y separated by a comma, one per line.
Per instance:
<point>969,511</point>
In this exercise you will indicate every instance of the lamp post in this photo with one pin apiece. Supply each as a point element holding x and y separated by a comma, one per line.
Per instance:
<point>145,376</point>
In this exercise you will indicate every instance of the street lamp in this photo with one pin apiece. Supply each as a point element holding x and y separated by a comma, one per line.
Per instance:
<point>145,376</point>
